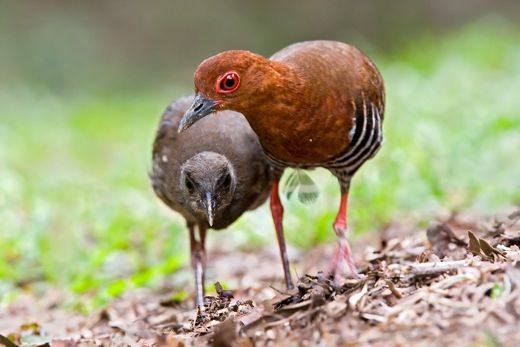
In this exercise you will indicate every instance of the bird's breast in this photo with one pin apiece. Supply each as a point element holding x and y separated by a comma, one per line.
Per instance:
<point>304,139</point>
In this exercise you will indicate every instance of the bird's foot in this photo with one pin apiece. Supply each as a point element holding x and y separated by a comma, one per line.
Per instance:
<point>342,253</point>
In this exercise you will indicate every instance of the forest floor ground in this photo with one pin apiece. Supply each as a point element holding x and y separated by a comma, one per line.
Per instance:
<point>455,283</point>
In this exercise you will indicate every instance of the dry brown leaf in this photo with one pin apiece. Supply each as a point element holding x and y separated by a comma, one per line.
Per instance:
<point>474,245</point>
<point>440,236</point>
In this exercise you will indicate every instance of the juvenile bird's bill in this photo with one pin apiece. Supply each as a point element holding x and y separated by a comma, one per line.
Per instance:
<point>209,204</point>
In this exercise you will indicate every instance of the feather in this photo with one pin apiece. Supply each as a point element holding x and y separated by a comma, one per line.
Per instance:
<point>299,181</point>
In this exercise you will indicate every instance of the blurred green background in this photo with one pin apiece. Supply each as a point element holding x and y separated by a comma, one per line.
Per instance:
<point>83,84</point>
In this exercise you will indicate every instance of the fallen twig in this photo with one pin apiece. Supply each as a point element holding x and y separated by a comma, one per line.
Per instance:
<point>435,268</point>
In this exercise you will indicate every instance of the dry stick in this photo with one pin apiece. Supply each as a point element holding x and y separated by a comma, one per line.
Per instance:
<point>279,291</point>
<point>393,289</point>
<point>433,268</point>
<point>8,343</point>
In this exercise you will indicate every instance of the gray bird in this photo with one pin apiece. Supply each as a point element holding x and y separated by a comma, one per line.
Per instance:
<point>210,174</point>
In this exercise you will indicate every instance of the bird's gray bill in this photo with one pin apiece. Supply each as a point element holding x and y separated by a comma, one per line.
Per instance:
<point>209,204</point>
<point>200,108</point>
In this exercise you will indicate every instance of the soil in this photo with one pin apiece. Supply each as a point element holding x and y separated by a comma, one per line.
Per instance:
<point>457,283</point>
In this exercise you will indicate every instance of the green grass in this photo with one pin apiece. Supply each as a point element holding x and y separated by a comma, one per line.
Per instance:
<point>76,208</point>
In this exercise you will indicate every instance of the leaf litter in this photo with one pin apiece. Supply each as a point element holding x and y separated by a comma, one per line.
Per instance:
<point>458,283</point>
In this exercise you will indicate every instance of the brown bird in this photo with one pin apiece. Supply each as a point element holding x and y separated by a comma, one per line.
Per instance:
<point>210,174</point>
<point>312,104</point>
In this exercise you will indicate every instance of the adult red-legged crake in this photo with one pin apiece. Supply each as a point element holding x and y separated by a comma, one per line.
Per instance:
<point>312,104</point>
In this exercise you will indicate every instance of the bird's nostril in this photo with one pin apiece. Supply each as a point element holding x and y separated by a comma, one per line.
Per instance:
<point>198,107</point>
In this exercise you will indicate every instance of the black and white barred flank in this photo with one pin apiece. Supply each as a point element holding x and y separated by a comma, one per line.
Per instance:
<point>366,138</point>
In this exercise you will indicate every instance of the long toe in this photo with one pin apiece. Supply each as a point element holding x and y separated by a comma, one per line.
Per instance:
<point>332,269</point>
<point>347,256</point>
<point>342,255</point>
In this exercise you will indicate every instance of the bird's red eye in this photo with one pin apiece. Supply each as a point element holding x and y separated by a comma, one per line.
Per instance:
<point>228,82</point>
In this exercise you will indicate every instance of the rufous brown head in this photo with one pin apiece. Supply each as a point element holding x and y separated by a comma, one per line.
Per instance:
<point>229,80</point>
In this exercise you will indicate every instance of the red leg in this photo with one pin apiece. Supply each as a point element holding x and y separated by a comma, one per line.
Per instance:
<point>198,261</point>
<point>342,251</point>
<point>277,213</point>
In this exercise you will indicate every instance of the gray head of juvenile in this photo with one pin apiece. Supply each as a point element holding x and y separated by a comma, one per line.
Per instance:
<point>208,183</point>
